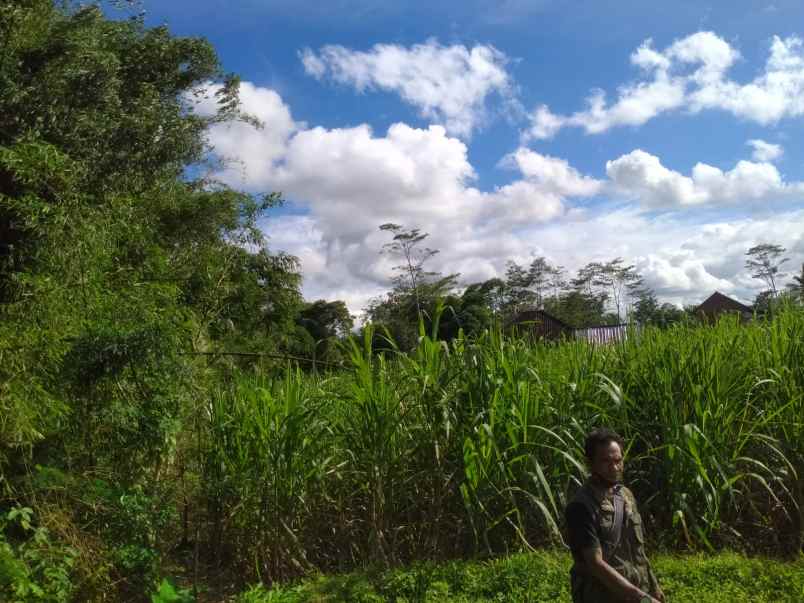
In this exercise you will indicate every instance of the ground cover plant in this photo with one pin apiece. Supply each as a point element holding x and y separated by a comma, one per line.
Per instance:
<point>542,577</point>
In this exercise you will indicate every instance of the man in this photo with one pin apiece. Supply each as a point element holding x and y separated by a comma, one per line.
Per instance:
<point>605,532</point>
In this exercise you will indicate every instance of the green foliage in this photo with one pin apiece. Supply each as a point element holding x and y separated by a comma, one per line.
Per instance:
<point>578,308</point>
<point>32,566</point>
<point>326,323</point>
<point>133,523</point>
<point>264,464</point>
<point>544,577</point>
<point>796,286</point>
<point>167,593</point>
<point>416,295</point>
<point>112,267</point>
<point>475,446</point>
<point>648,311</point>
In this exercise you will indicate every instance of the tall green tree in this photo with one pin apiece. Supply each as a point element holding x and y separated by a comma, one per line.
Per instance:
<point>471,312</point>
<point>399,312</point>
<point>540,272</point>
<point>618,280</point>
<point>518,293</point>
<point>557,281</point>
<point>578,308</point>
<point>586,301</point>
<point>327,322</point>
<point>765,261</point>
<point>406,246</point>
<point>416,292</point>
<point>648,311</point>
<point>113,264</point>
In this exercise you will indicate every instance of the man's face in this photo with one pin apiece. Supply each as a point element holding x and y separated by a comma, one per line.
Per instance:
<point>608,463</point>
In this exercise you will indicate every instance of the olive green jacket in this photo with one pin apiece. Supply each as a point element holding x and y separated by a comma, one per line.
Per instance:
<point>627,557</point>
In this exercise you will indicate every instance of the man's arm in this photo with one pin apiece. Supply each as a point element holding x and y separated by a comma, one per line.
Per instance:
<point>654,584</point>
<point>610,577</point>
<point>655,589</point>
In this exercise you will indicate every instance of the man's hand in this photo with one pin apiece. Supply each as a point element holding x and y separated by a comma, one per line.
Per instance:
<point>660,595</point>
<point>611,578</point>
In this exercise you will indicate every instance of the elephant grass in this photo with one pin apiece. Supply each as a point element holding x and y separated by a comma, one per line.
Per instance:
<point>473,448</point>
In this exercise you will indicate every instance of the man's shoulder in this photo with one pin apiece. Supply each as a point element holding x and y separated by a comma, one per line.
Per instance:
<point>582,493</point>
<point>575,506</point>
<point>626,493</point>
<point>581,503</point>
<point>631,505</point>
<point>578,515</point>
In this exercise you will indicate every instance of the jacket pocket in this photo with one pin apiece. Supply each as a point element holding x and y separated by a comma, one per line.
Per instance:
<point>639,532</point>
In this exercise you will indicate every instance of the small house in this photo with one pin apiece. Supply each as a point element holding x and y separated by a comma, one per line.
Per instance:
<point>718,304</point>
<point>540,325</point>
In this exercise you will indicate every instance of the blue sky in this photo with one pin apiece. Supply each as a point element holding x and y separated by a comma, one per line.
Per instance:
<point>472,121</point>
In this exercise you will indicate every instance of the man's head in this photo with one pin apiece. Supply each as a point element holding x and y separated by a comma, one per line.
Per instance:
<point>604,453</point>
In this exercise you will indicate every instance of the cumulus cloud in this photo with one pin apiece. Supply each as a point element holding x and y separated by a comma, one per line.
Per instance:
<point>347,181</point>
<point>352,179</point>
<point>641,176</point>
<point>690,74</point>
<point>250,153</point>
<point>683,260</point>
<point>553,174</point>
<point>449,85</point>
<point>765,151</point>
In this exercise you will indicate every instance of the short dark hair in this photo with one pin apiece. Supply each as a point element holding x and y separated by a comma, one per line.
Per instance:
<point>597,437</point>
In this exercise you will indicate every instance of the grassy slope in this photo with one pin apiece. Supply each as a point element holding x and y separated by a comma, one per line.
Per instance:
<point>543,576</point>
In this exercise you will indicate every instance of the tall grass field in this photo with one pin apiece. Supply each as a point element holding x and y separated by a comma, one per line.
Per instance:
<point>473,448</point>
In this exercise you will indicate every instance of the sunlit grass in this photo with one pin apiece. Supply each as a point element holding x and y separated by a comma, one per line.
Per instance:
<point>543,577</point>
<point>473,448</point>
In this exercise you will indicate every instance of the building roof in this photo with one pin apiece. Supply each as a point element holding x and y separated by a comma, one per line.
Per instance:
<point>717,302</point>
<point>532,315</point>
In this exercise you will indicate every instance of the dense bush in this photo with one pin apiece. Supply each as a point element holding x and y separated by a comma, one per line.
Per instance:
<point>114,266</point>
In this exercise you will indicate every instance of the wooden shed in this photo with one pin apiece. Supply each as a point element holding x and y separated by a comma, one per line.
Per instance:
<point>540,325</point>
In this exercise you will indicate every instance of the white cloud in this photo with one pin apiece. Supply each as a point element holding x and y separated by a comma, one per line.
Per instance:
<point>449,85</point>
<point>347,181</point>
<point>690,74</point>
<point>711,55</point>
<point>774,95</point>
<point>544,124</point>
<point>313,65</point>
<point>641,176</point>
<point>684,261</point>
<point>250,153</point>
<point>555,175</point>
<point>765,151</point>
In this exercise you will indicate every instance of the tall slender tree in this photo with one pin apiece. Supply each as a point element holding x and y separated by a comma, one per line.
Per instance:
<point>518,294</point>
<point>557,281</point>
<point>539,273</point>
<point>406,245</point>
<point>765,261</point>
<point>620,280</point>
